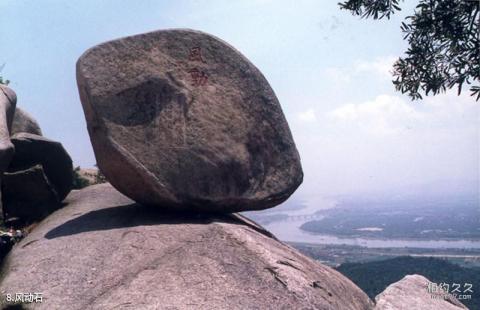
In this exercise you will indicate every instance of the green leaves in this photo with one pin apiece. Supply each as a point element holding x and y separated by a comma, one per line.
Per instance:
<point>4,82</point>
<point>78,180</point>
<point>444,44</point>
<point>377,9</point>
<point>475,91</point>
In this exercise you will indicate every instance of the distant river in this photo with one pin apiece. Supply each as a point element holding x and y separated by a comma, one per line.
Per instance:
<point>290,231</point>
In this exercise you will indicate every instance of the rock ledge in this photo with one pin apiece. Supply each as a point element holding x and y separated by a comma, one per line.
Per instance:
<point>104,251</point>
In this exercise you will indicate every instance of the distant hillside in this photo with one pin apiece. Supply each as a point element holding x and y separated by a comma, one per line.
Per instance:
<point>374,277</point>
<point>405,219</point>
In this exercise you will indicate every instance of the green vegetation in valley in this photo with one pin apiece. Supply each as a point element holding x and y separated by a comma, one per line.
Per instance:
<point>337,254</point>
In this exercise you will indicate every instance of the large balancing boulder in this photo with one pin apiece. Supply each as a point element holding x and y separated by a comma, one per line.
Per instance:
<point>180,119</point>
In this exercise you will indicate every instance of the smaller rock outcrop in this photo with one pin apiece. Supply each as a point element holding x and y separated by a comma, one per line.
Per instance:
<point>38,178</point>
<point>31,150</point>
<point>412,293</point>
<point>28,194</point>
<point>24,122</point>
<point>8,101</point>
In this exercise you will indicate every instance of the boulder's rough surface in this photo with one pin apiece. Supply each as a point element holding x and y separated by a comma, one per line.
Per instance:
<point>8,101</point>
<point>28,195</point>
<point>103,251</point>
<point>412,293</point>
<point>31,150</point>
<point>180,119</point>
<point>24,122</point>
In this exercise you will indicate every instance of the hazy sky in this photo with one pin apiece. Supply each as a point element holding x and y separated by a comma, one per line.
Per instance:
<point>329,69</point>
